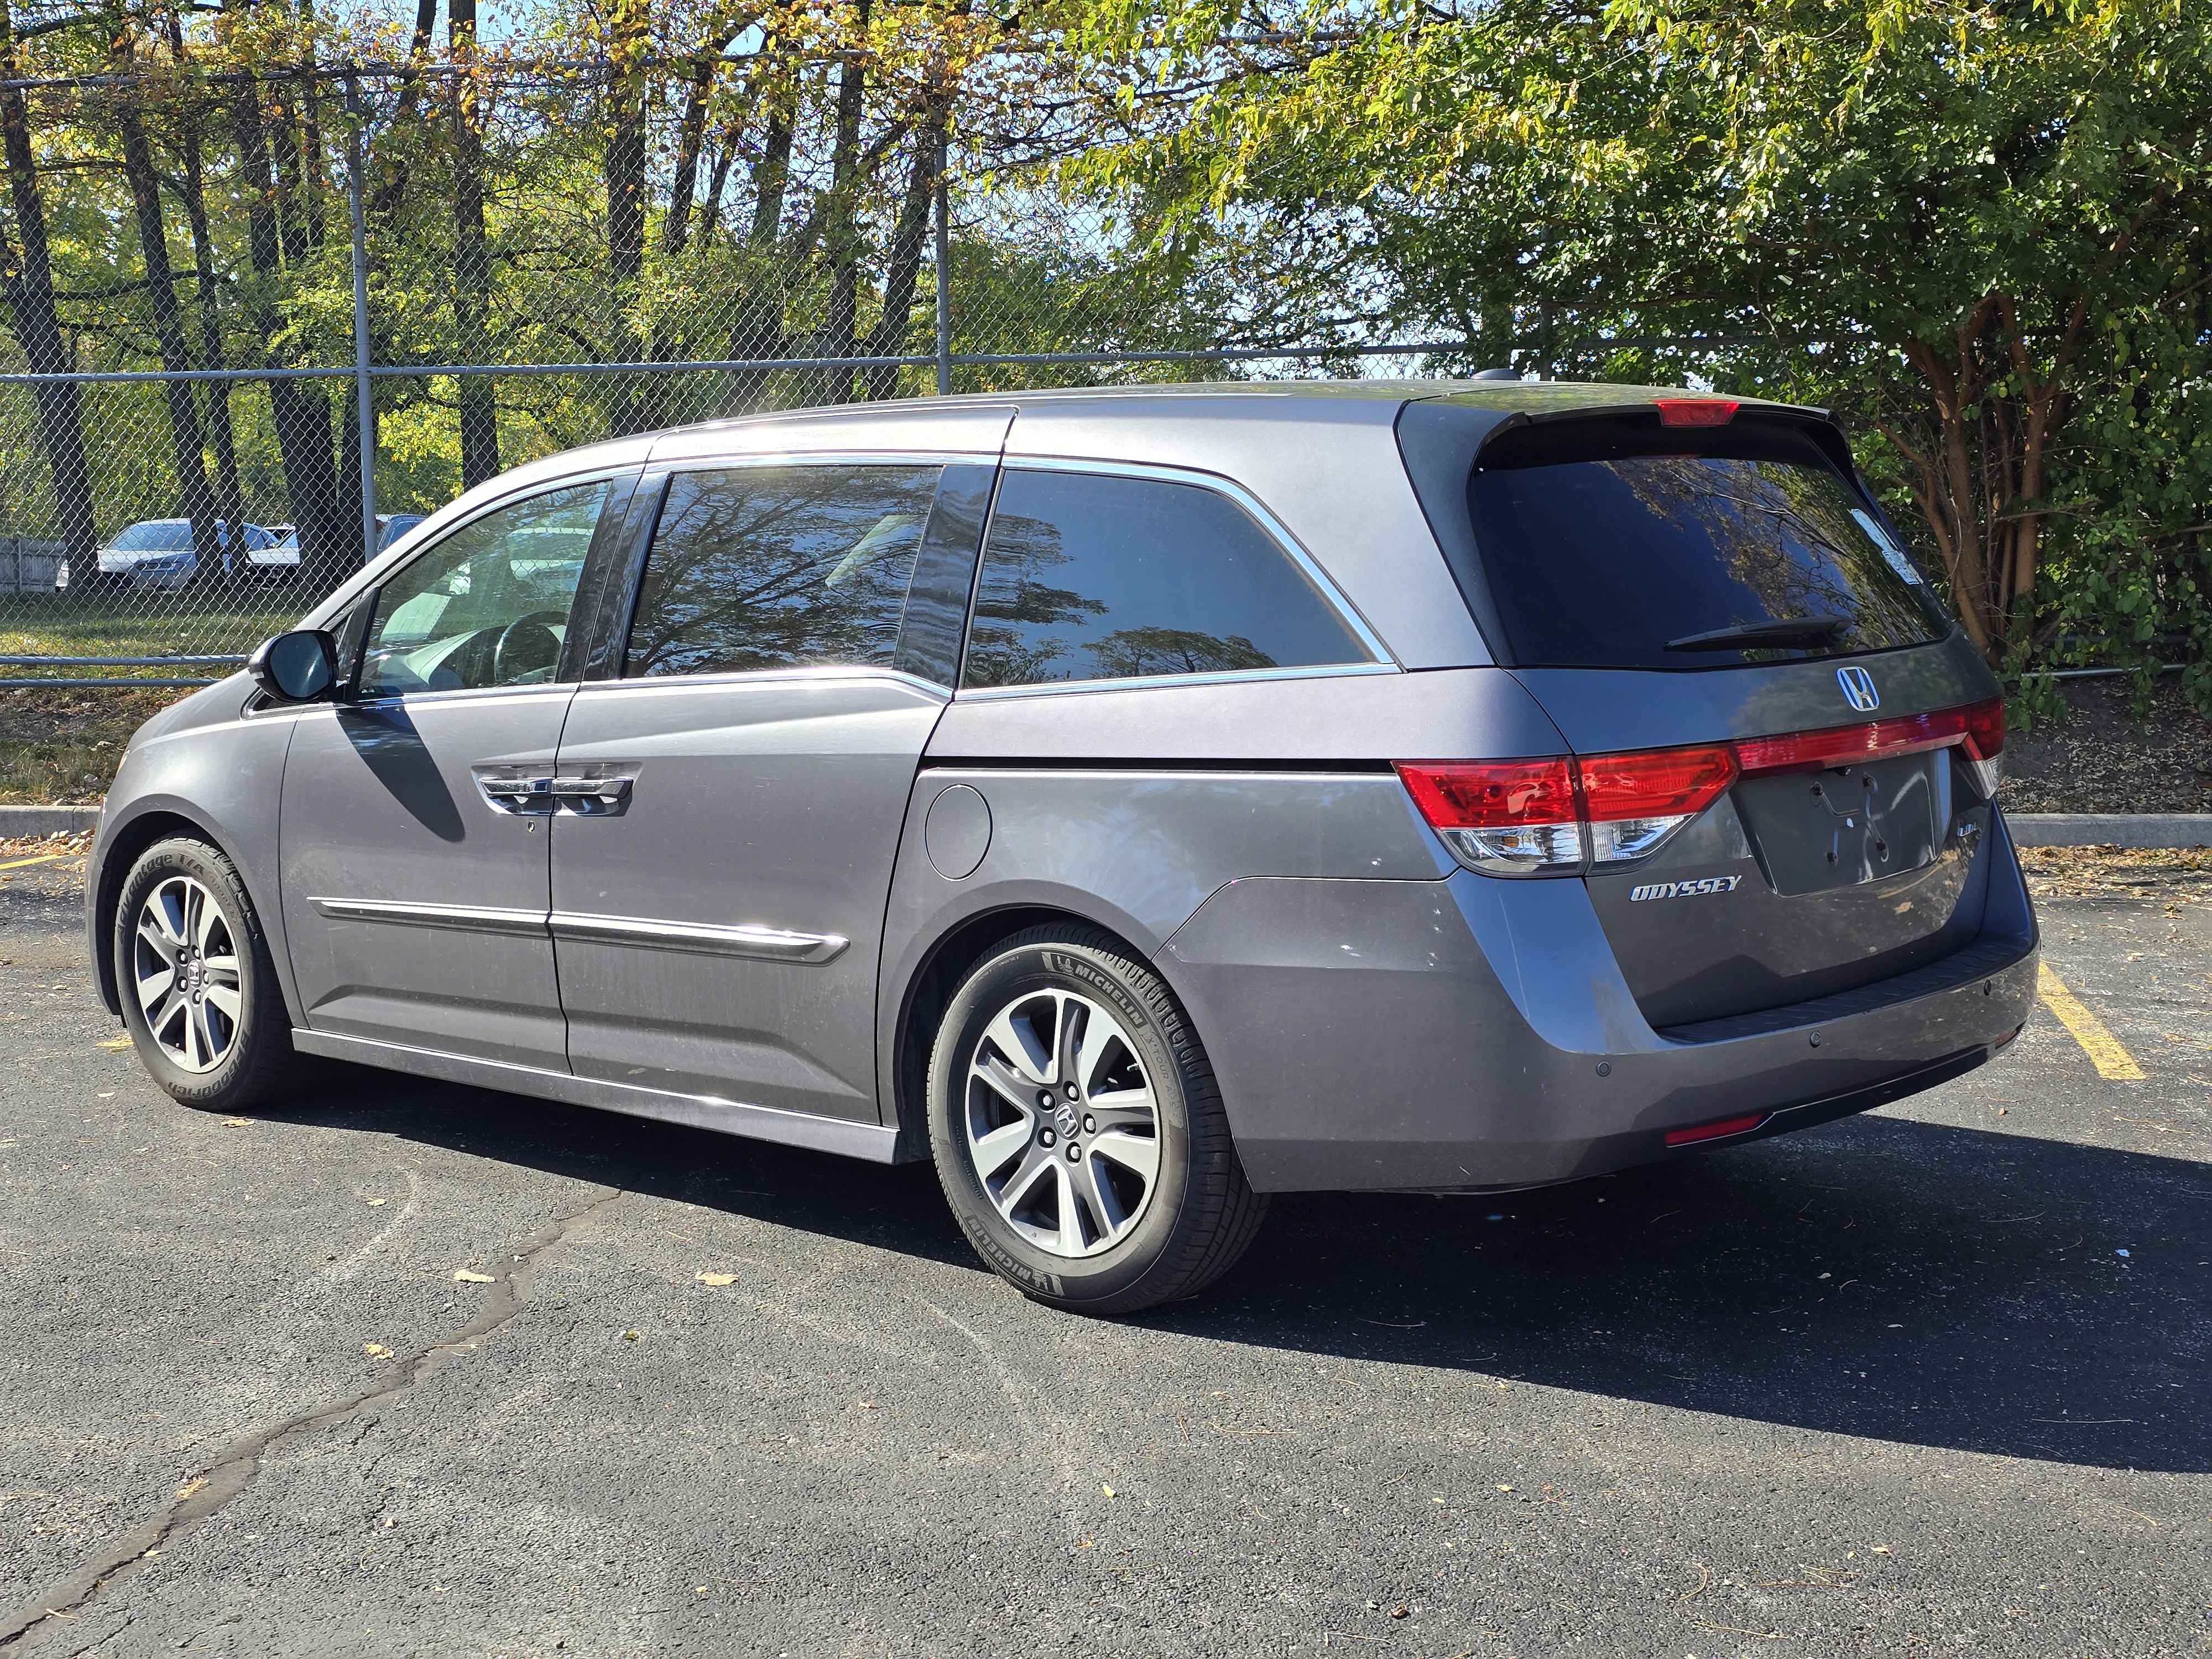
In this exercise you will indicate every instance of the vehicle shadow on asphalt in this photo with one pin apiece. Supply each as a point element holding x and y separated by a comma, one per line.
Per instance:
<point>1877,1277</point>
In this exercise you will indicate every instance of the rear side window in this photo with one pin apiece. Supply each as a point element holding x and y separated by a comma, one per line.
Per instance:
<point>1091,577</point>
<point>1618,543</point>
<point>780,566</point>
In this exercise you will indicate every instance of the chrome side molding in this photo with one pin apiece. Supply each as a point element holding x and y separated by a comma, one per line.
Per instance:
<point>464,918</point>
<point>748,940</point>
<point>774,944</point>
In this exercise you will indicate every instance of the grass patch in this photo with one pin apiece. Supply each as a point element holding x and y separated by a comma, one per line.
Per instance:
<point>127,622</point>
<point>61,747</point>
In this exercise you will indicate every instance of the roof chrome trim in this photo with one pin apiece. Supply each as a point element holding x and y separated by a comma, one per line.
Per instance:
<point>1154,682</point>
<point>709,462</point>
<point>1221,485</point>
<point>772,944</point>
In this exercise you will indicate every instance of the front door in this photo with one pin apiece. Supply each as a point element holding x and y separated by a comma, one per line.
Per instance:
<point>733,803</point>
<point>415,851</point>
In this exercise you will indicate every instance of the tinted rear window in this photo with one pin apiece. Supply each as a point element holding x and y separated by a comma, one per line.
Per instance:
<point>1606,540</point>
<point>1089,577</point>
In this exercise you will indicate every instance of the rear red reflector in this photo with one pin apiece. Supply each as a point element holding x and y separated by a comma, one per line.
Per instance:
<point>1697,411</point>
<point>1492,794</point>
<point>1727,1125</point>
<point>1656,783</point>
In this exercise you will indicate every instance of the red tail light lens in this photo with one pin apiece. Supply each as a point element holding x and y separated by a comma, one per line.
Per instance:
<point>1978,724</point>
<point>1697,411</point>
<point>1658,783</point>
<point>1492,794</point>
<point>1985,730</point>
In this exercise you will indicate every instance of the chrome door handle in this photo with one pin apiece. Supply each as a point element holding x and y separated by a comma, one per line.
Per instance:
<point>604,797</point>
<point>516,790</point>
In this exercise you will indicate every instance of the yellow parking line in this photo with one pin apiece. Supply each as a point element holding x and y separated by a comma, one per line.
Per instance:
<point>2104,1049</point>
<point>43,858</point>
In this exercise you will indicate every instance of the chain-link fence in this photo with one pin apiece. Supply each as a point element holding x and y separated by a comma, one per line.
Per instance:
<point>217,275</point>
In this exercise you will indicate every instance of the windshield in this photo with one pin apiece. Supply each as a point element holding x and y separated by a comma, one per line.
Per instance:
<point>156,536</point>
<point>1617,544</point>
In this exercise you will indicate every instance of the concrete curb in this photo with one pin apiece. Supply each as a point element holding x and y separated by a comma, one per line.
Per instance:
<point>2144,830</point>
<point>19,823</point>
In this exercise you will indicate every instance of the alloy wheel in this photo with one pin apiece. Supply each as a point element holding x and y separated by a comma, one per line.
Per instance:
<point>184,962</point>
<point>1062,1123</point>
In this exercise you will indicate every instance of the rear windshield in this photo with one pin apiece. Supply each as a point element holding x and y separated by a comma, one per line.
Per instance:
<point>1617,544</point>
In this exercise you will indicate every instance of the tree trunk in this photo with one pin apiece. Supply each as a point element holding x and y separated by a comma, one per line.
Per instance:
<point>1980,479</point>
<point>194,498</point>
<point>30,292</point>
<point>628,27</point>
<point>220,436</point>
<point>757,333</point>
<point>842,237</point>
<point>472,255</point>
<point>383,200</point>
<point>299,410</point>
<point>908,235</point>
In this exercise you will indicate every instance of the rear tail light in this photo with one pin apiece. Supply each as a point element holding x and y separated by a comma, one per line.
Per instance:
<point>1509,818</point>
<point>1525,817</point>
<point>1563,815</point>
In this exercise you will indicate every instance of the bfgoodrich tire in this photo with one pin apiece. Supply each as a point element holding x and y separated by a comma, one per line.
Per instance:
<point>198,988</point>
<point>1078,1132</point>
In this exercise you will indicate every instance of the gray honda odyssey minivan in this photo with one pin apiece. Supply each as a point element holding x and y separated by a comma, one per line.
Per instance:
<point>1136,801</point>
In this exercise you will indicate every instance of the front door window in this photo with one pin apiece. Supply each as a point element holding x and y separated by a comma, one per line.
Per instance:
<point>488,606</point>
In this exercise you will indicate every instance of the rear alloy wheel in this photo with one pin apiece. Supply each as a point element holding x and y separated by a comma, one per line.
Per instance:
<point>1078,1131</point>
<point>198,988</point>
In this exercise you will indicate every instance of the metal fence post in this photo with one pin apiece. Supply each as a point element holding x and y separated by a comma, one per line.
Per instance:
<point>944,277</point>
<point>362,388</point>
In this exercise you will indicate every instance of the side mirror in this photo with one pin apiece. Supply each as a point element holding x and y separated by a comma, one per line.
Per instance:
<point>301,666</point>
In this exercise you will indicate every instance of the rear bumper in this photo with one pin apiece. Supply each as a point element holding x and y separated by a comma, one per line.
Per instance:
<point>1471,1033</point>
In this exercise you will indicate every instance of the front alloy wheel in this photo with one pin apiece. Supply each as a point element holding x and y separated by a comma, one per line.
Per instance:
<point>185,966</point>
<point>197,986</point>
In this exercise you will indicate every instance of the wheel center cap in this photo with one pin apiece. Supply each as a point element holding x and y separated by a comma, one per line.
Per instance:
<point>1068,1118</point>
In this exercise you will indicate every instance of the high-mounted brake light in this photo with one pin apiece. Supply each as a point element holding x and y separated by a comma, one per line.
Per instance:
<point>1697,411</point>
<point>1562,815</point>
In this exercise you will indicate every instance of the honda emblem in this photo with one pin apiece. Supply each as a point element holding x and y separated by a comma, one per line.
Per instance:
<point>1858,689</point>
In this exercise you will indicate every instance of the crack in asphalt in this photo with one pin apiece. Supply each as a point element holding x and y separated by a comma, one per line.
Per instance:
<point>235,1466</point>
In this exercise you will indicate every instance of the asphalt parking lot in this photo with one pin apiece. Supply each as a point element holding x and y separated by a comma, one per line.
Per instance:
<point>412,1369</point>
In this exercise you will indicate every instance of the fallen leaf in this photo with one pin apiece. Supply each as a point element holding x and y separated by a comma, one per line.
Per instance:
<point>1505,1489</point>
<point>1108,1490</point>
<point>191,1485</point>
<point>376,1351</point>
<point>1398,1612</point>
<point>238,1123</point>
<point>462,1276</point>
<point>715,1279</point>
<point>629,1336</point>
<point>115,1043</point>
<point>1881,1549</point>
<point>377,1203</point>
